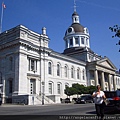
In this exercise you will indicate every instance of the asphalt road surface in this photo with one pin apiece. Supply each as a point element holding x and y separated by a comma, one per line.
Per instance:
<point>48,111</point>
<point>56,109</point>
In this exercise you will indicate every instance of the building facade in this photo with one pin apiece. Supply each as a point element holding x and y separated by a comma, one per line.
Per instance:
<point>32,73</point>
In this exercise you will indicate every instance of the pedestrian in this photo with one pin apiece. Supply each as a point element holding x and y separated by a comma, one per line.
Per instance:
<point>99,97</point>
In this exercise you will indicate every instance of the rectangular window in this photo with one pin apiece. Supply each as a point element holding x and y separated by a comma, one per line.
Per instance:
<point>76,41</point>
<point>82,40</point>
<point>58,86</point>
<point>72,73</point>
<point>32,64</point>
<point>50,88</point>
<point>29,64</point>
<point>71,42</point>
<point>58,70</point>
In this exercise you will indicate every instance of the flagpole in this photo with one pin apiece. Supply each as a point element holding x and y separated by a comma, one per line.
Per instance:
<point>1,18</point>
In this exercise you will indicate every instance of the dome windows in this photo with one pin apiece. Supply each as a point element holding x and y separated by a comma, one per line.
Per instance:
<point>86,31</point>
<point>76,41</point>
<point>70,29</point>
<point>71,42</point>
<point>82,40</point>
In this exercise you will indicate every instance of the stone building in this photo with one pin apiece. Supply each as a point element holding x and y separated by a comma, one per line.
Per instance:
<point>32,73</point>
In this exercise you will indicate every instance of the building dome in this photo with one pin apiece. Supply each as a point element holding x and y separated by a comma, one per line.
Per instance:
<point>76,35</point>
<point>75,28</point>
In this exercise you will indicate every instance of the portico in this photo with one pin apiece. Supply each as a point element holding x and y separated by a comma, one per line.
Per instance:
<point>102,72</point>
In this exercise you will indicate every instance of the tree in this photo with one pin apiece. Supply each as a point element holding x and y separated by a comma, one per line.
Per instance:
<point>91,89</point>
<point>70,91</point>
<point>79,89</point>
<point>116,30</point>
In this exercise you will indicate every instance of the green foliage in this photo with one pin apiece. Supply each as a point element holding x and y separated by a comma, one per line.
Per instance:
<point>79,89</point>
<point>116,30</point>
<point>91,89</point>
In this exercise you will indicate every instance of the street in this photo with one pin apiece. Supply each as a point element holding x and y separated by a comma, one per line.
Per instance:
<point>57,109</point>
<point>48,112</point>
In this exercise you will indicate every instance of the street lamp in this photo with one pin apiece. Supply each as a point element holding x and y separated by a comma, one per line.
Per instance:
<point>43,93</point>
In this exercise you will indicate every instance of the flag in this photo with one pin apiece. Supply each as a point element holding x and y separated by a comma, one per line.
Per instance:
<point>3,5</point>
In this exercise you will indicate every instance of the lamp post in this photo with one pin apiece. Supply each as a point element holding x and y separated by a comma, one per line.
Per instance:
<point>43,93</point>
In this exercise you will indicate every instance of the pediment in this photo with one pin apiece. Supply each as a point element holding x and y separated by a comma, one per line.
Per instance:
<point>106,63</point>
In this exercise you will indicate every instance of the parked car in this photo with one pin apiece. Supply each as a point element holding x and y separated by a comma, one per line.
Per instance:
<point>67,100</point>
<point>85,99</point>
<point>114,98</point>
<point>0,99</point>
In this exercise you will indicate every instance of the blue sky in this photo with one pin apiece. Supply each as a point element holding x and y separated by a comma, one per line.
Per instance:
<point>55,15</point>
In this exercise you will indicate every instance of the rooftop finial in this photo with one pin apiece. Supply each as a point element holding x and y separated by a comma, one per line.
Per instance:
<point>74,5</point>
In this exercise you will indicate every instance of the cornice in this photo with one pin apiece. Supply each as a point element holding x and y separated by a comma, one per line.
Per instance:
<point>66,58</point>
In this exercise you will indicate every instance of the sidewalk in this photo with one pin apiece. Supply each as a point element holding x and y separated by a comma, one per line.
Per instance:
<point>10,105</point>
<point>16,105</point>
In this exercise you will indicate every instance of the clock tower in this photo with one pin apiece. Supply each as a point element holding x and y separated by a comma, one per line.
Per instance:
<point>77,39</point>
<point>76,35</point>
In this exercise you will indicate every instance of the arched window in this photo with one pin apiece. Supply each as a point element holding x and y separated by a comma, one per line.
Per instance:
<point>66,85</point>
<point>58,70</point>
<point>72,72</point>
<point>78,73</point>
<point>11,63</point>
<point>83,74</point>
<point>66,71</point>
<point>49,68</point>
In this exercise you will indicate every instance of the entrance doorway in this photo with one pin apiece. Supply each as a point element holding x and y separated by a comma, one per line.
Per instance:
<point>32,86</point>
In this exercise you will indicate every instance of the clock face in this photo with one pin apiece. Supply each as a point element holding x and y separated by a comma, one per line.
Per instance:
<point>70,30</point>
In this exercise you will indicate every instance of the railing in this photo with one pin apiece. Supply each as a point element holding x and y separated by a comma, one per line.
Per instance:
<point>40,95</point>
<point>37,96</point>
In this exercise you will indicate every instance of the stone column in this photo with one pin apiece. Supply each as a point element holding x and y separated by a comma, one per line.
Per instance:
<point>103,81</point>
<point>73,41</point>
<point>114,82</point>
<point>96,77</point>
<point>109,82</point>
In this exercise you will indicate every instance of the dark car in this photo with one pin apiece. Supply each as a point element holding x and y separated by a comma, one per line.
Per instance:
<point>67,100</point>
<point>85,99</point>
<point>0,99</point>
<point>114,98</point>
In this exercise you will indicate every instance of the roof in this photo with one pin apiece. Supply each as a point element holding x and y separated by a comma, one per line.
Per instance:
<point>75,13</point>
<point>77,27</point>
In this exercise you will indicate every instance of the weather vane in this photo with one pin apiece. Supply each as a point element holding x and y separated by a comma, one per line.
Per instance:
<point>74,5</point>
